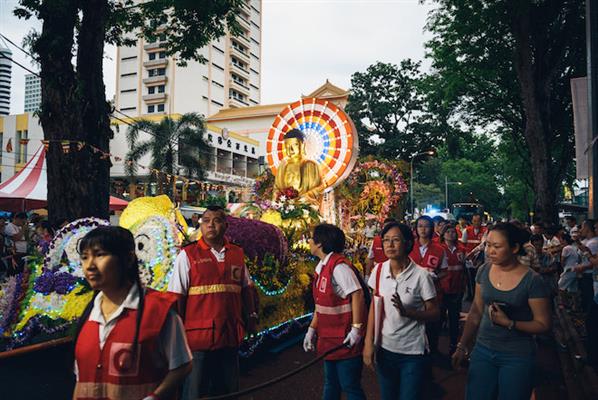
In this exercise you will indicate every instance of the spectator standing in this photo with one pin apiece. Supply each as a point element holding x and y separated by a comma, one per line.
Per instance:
<point>18,232</point>
<point>511,305</point>
<point>408,299</point>
<point>589,248</point>
<point>376,254</point>
<point>472,237</point>
<point>213,285</point>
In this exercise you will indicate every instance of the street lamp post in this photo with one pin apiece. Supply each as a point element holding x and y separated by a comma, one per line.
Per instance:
<point>430,153</point>
<point>446,183</point>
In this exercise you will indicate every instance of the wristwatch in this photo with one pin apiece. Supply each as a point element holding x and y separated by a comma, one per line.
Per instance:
<point>358,325</point>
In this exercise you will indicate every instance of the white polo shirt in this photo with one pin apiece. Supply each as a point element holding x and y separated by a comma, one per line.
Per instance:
<point>415,286</point>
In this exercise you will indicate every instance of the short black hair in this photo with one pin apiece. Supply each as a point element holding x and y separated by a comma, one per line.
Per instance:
<point>295,134</point>
<point>430,222</point>
<point>591,224</point>
<point>216,208</point>
<point>331,237</point>
<point>406,232</point>
<point>514,235</point>
<point>438,219</point>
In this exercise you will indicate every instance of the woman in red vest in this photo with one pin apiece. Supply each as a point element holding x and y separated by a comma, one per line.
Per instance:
<point>128,344</point>
<point>429,255</point>
<point>339,317</point>
<point>453,281</point>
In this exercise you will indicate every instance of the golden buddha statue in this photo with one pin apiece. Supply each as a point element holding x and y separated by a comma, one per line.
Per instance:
<point>297,172</point>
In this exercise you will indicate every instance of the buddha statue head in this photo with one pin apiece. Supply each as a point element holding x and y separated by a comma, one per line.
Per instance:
<point>294,145</point>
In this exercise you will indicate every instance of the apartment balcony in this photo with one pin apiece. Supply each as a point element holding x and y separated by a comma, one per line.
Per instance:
<point>155,46</point>
<point>239,87</point>
<point>239,53</point>
<point>242,72</point>
<point>155,80</point>
<point>244,22</point>
<point>159,62</point>
<point>155,98</point>
<point>235,102</point>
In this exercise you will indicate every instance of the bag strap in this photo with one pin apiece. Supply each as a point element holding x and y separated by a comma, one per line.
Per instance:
<point>378,273</point>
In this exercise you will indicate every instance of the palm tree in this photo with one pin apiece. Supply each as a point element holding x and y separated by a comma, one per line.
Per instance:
<point>174,144</point>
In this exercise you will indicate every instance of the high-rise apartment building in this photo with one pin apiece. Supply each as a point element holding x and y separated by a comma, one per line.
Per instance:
<point>33,92</point>
<point>5,77</point>
<point>150,83</point>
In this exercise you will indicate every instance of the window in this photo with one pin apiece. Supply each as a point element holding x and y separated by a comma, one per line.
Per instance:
<point>218,49</point>
<point>161,88</point>
<point>162,54</point>
<point>238,146</point>
<point>217,103</point>
<point>245,148</point>
<point>160,107</point>
<point>128,108</point>
<point>218,84</point>
<point>210,137</point>
<point>151,90</point>
<point>150,109</point>
<point>152,56</point>
<point>161,71</point>
<point>129,74</point>
<point>218,66</point>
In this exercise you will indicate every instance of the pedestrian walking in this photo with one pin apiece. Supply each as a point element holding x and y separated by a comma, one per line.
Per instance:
<point>472,237</point>
<point>430,255</point>
<point>130,344</point>
<point>452,283</point>
<point>213,285</point>
<point>339,317</point>
<point>396,343</point>
<point>511,305</point>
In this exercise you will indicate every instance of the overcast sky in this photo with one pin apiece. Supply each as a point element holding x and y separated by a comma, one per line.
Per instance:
<point>304,42</point>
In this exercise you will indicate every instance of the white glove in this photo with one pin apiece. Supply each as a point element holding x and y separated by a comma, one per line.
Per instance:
<point>309,342</point>
<point>353,337</point>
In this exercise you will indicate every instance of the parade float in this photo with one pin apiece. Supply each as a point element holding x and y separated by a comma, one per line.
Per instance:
<point>312,177</point>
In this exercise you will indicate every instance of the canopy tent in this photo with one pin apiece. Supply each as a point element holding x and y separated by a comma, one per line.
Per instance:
<point>28,189</point>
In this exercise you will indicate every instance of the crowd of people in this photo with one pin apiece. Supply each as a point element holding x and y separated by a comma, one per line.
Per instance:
<point>23,235</point>
<point>135,343</point>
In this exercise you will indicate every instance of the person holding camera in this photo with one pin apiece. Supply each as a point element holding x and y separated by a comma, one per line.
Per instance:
<point>511,304</point>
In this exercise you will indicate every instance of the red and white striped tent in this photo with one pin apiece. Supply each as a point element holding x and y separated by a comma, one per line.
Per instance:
<point>28,189</point>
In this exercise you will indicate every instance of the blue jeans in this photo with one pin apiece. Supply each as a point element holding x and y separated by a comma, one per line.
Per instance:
<point>400,376</point>
<point>497,375</point>
<point>343,376</point>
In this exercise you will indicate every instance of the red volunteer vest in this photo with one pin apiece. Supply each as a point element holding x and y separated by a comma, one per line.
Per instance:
<point>213,311</point>
<point>378,250</point>
<point>432,259</point>
<point>473,240</point>
<point>452,282</point>
<point>334,313</point>
<point>110,373</point>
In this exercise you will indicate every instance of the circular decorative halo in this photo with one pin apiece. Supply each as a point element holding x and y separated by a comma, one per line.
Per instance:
<point>330,138</point>
<point>66,242</point>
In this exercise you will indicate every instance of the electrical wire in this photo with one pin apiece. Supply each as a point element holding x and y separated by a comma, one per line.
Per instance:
<point>19,64</point>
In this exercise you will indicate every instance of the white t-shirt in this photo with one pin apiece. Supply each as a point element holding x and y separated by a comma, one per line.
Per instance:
<point>570,257</point>
<point>173,339</point>
<point>415,286</point>
<point>591,244</point>
<point>10,230</point>
<point>344,281</point>
<point>179,282</point>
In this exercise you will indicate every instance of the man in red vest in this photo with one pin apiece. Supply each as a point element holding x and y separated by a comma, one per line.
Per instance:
<point>472,238</point>
<point>430,255</point>
<point>213,283</point>
<point>376,253</point>
<point>340,315</point>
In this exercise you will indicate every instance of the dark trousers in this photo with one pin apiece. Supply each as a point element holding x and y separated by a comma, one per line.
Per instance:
<point>470,274</point>
<point>451,305</point>
<point>592,330</point>
<point>214,373</point>
<point>586,289</point>
<point>343,376</point>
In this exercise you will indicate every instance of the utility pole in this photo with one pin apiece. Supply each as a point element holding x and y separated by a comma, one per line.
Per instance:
<point>592,55</point>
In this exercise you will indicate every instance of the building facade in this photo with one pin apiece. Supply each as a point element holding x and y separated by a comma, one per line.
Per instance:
<point>150,83</point>
<point>20,138</point>
<point>33,93</point>
<point>5,80</point>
